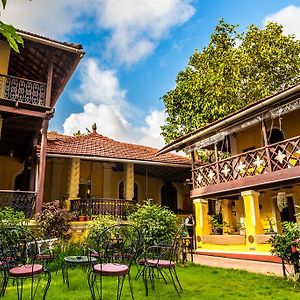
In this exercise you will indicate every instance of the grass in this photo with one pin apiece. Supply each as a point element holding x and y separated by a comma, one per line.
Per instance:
<point>199,282</point>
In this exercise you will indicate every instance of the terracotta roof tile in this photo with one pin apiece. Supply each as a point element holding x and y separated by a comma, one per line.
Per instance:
<point>97,145</point>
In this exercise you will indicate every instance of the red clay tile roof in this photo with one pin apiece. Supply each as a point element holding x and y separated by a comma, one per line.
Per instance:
<point>97,145</point>
<point>75,46</point>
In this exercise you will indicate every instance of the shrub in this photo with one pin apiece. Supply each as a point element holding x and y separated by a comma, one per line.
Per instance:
<point>100,223</point>
<point>54,221</point>
<point>13,220</point>
<point>156,223</point>
<point>287,245</point>
<point>10,218</point>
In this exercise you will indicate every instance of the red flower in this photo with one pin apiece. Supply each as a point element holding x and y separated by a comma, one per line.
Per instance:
<point>294,249</point>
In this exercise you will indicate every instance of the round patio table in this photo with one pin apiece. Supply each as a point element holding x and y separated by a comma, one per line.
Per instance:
<point>82,261</point>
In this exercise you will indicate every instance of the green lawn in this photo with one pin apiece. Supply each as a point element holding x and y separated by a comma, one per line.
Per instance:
<point>198,282</point>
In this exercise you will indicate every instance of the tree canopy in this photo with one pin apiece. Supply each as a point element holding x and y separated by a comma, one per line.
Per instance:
<point>234,70</point>
<point>9,32</point>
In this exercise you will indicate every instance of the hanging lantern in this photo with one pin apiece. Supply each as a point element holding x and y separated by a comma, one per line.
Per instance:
<point>282,201</point>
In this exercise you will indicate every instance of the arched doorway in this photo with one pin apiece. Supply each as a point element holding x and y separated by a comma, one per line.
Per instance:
<point>275,136</point>
<point>169,196</point>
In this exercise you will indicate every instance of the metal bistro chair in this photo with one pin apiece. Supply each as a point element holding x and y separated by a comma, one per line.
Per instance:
<point>47,250</point>
<point>18,254</point>
<point>160,262</point>
<point>116,250</point>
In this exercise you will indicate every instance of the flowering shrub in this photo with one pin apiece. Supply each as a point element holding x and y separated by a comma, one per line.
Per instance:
<point>287,245</point>
<point>54,221</point>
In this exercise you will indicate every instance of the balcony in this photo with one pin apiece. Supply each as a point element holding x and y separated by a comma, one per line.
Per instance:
<point>18,90</point>
<point>118,208</point>
<point>266,166</point>
<point>19,200</point>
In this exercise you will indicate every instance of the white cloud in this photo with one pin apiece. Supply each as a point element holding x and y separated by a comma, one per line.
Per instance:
<point>53,18</point>
<point>110,109</point>
<point>289,17</point>
<point>135,27</point>
<point>98,85</point>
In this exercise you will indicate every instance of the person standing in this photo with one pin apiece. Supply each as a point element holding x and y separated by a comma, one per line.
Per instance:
<point>190,223</point>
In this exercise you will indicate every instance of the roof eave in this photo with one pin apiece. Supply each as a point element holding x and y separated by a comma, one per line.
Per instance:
<point>122,160</point>
<point>51,43</point>
<point>182,142</point>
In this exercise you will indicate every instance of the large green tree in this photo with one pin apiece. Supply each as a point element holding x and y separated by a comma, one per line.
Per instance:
<point>232,71</point>
<point>9,32</point>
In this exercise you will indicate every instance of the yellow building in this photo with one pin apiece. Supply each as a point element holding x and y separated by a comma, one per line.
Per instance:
<point>252,182</point>
<point>97,175</point>
<point>30,84</point>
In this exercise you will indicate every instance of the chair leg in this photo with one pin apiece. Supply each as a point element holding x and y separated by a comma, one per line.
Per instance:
<point>130,286</point>
<point>4,284</point>
<point>139,272</point>
<point>120,286</point>
<point>48,283</point>
<point>91,282</point>
<point>177,279</point>
<point>145,279</point>
<point>20,289</point>
<point>173,280</point>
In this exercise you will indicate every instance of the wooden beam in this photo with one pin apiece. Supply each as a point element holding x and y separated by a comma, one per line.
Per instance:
<point>21,111</point>
<point>42,167</point>
<point>264,131</point>
<point>49,81</point>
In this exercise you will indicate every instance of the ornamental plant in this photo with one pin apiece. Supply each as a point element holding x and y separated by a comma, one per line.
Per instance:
<point>287,245</point>
<point>54,221</point>
<point>100,223</point>
<point>156,223</point>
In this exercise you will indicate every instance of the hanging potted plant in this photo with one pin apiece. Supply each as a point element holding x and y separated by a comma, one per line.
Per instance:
<point>282,201</point>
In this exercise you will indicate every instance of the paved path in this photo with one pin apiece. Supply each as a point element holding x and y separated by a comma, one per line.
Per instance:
<point>248,265</point>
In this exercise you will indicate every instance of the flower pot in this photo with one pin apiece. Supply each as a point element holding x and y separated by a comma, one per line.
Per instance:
<point>87,218</point>
<point>81,218</point>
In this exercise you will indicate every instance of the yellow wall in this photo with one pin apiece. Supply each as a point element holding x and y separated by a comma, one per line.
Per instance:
<point>252,136</point>
<point>9,168</point>
<point>4,57</point>
<point>61,187</point>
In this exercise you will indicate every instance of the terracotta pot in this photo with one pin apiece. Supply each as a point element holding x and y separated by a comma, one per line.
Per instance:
<point>87,218</point>
<point>81,218</point>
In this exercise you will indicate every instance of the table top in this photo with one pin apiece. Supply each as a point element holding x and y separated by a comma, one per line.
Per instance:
<point>79,259</point>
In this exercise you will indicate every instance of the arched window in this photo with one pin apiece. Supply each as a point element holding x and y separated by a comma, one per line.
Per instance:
<point>169,196</point>
<point>122,193</point>
<point>275,136</point>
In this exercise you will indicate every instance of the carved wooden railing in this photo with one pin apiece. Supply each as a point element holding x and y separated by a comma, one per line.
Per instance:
<point>19,200</point>
<point>118,208</point>
<point>22,90</point>
<point>275,157</point>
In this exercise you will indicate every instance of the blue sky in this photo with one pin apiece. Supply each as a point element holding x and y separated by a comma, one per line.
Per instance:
<point>134,50</point>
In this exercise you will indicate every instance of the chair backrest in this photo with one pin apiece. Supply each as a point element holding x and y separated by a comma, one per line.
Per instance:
<point>119,244</point>
<point>18,247</point>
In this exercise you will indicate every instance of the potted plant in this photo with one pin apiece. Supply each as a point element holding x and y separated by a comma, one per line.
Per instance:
<point>270,223</point>
<point>216,224</point>
<point>81,216</point>
<point>241,228</point>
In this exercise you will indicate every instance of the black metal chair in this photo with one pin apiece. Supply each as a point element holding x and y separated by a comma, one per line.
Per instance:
<point>160,263</point>
<point>115,250</point>
<point>18,253</point>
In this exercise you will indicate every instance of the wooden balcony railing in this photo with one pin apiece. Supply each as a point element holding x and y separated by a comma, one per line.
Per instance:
<point>275,157</point>
<point>22,90</point>
<point>19,200</point>
<point>118,208</point>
